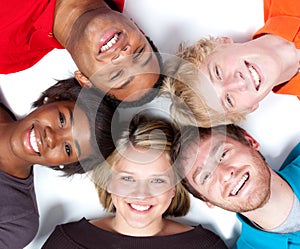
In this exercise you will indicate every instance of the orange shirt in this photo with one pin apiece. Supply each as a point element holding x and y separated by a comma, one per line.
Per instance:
<point>282,18</point>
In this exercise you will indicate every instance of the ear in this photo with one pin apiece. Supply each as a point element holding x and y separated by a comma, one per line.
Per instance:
<point>209,204</point>
<point>108,188</point>
<point>225,39</point>
<point>174,192</point>
<point>252,142</point>
<point>45,100</point>
<point>82,79</point>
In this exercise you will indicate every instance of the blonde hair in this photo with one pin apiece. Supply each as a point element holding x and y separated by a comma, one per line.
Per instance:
<point>143,132</point>
<point>182,77</point>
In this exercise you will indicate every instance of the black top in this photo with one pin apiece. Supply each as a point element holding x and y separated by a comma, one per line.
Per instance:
<point>82,234</point>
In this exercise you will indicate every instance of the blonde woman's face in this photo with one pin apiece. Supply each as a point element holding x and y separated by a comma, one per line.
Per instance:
<point>142,186</point>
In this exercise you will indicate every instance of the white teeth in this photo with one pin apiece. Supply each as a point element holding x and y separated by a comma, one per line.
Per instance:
<point>239,185</point>
<point>109,44</point>
<point>140,207</point>
<point>33,141</point>
<point>255,76</point>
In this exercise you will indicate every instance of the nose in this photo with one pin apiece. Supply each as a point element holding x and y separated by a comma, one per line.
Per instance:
<point>122,54</point>
<point>53,137</point>
<point>49,137</point>
<point>237,82</point>
<point>142,190</point>
<point>225,173</point>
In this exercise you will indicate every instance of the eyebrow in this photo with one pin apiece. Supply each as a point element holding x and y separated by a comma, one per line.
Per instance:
<point>131,78</point>
<point>213,151</point>
<point>78,150</point>
<point>165,173</point>
<point>147,60</point>
<point>209,72</point>
<point>128,81</point>
<point>196,173</point>
<point>216,147</point>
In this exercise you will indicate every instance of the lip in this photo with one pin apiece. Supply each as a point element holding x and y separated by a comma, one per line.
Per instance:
<point>256,72</point>
<point>106,37</point>
<point>239,186</point>
<point>27,142</point>
<point>140,208</point>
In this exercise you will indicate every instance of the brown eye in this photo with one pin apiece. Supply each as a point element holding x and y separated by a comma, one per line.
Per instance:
<point>68,149</point>
<point>62,119</point>
<point>116,75</point>
<point>139,54</point>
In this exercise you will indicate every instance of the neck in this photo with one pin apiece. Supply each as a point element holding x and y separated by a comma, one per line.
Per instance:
<point>119,225</point>
<point>67,13</point>
<point>285,52</point>
<point>277,208</point>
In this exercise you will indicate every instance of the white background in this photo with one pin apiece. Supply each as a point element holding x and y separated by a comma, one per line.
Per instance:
<point>168,22</point>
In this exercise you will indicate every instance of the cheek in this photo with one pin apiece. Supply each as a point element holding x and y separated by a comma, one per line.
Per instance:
<point>226,58</point>
<point>246,101</point>
<point>116,201</point>
<point>167,197</point>
<point>211,190</point>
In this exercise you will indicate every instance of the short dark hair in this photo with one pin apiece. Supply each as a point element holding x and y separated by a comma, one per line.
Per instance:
<point>99,114</point>
<point>149,96</point>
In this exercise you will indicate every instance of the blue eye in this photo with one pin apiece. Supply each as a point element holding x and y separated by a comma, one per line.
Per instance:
<point>205,176</point>
<point>228,100</point>
<point>217,73</point>
<point>158,180</point>
<point>127,178</point>
<point>222,156</point>
<point>68,149</point>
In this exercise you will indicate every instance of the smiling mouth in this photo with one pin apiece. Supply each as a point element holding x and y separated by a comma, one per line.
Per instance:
<point>240,185</point>
<point>254,74</point>
<point>33,142</point>
<point>140,208</point>
<point>110,43</point>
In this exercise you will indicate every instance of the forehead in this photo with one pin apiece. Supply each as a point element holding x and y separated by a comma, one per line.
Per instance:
<point>136,89</point>
<point>144,161</point>
<point>206,88</point>
<point>196,154</point>
<point>81,132</point>
<point>56,105</point>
